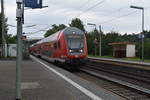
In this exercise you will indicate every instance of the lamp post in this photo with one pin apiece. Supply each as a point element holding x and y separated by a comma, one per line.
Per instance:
<point>142,33</point>
<point>100,37</point>
<point>19,48</point>
<point>92,24</point>
<point>20,21</point>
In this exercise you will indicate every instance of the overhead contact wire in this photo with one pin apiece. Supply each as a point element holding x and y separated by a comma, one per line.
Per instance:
<point>90,8</point>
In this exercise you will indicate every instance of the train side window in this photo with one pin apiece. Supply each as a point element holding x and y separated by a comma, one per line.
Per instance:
<point>59,44</point>
<point>55,45</point>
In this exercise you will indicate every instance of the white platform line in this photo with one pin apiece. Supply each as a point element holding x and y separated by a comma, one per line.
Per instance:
<point>84,90</point>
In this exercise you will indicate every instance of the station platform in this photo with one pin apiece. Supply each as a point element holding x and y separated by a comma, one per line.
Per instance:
<point>41,80</point>
<point>138,64</point>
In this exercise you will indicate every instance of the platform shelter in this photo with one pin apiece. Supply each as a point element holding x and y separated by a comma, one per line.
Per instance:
<point>123,49</point>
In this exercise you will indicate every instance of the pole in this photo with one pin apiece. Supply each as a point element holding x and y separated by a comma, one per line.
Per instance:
<point>3,29</point>
<point>142,34</point>
<point>95,50</point>
<point>19,50</point>
<point>23,2</point>
<point>100,40</point>
<point>95,43</point>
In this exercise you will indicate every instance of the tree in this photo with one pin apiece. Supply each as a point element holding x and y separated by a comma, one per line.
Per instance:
<point>90,42</point>
<point>93,48</point>
<point>147,34</point>
<point>6,28</point>
<point>54,29</point>
<point>108,38</point>
<point>11,39</point>
<point>147,49</point>
<point>77,23</point>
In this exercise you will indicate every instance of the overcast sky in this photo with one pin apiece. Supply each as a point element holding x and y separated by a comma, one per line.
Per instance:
<point>113,15</point>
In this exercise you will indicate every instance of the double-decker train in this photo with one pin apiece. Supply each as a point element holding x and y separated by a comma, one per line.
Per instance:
<point>67,46</point>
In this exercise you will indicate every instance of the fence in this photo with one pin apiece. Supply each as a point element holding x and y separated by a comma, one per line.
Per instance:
<point>0,50</point>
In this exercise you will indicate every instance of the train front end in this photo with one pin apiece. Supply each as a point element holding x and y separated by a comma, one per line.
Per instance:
<point>76,46</point>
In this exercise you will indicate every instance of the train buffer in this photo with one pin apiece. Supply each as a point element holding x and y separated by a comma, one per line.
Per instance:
<point>42,81</point>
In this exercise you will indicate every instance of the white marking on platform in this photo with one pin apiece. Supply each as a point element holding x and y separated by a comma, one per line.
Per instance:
<point>84,90</point>
<point>30,85</point>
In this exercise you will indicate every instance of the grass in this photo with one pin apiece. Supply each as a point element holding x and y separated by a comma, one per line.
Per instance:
<point>101,56</point>
<point>136,59</point>
<point>128,59</point>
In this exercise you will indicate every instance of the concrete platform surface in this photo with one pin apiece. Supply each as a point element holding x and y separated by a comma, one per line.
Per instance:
<point>43,81</point>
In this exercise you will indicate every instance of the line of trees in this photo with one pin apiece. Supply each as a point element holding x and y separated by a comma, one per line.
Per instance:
<point>117,37</point>
<point>91,36</point>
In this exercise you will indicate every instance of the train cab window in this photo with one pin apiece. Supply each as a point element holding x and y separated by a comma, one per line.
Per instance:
<point>75,42</point>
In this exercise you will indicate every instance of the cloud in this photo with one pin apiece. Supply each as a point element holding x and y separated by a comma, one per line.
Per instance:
<point>63,11</point>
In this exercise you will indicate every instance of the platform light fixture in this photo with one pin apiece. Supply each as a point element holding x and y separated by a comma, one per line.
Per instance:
<point>142,33</point>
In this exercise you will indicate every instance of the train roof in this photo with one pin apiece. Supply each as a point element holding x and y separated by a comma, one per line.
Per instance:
<point>69,30</point>
<point>54,36</point>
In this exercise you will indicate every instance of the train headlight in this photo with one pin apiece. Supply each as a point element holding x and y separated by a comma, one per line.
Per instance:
<point>81,50</point>
<point>70,50</point>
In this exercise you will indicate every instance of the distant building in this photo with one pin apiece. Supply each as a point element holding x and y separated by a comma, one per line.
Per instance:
<point>12,50</point>
<point>123,49</point>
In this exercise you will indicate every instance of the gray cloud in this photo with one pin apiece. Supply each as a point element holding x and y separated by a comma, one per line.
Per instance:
<point>62,12</point>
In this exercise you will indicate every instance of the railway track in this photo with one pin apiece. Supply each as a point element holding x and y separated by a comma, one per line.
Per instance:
<point>127,82</point>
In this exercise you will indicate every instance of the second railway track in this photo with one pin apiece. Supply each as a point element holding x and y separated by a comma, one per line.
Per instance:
<point>123,91</point>
<point>127,82</point>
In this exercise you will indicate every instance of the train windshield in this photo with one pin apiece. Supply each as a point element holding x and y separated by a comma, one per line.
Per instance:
<point>75,43</point>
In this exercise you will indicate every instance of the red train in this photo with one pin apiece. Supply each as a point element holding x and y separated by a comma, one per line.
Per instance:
<point>67,46</point>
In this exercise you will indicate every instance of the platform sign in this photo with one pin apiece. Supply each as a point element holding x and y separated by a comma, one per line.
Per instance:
<point>33,4</point>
